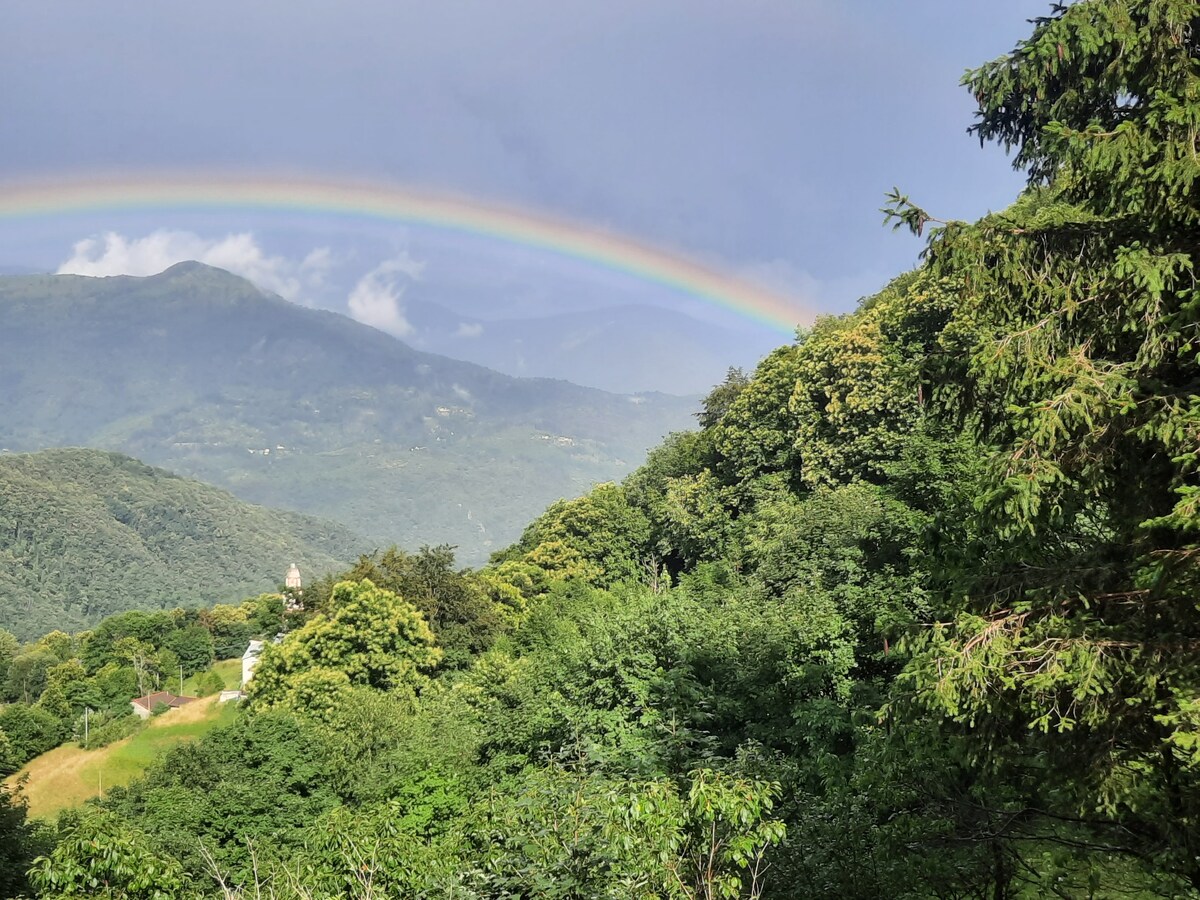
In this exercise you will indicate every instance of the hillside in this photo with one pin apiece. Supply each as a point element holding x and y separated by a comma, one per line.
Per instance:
<point>86,533</point>
<point>69,775</point>
<point>201,372</point>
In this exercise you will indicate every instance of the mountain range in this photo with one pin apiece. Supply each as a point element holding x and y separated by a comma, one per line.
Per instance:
<point>199,371</point>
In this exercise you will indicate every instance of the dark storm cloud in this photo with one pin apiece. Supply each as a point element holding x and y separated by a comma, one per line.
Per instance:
<point>759,134</point>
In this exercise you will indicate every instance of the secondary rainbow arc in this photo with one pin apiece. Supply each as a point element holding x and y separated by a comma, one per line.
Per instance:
<point>390,202</point>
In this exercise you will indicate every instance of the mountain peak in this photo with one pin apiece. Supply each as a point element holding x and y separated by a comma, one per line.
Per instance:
<point>192,268</point>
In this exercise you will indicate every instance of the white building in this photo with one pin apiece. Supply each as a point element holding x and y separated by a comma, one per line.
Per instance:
<point>249,661</point>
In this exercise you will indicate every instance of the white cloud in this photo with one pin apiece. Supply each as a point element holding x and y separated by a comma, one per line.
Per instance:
<point>469,329</point>
<point>375,300</point>
<point>317,265</point>
<point>116,254</point>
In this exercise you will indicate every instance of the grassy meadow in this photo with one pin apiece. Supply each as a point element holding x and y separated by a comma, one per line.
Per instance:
<point>68,776</point>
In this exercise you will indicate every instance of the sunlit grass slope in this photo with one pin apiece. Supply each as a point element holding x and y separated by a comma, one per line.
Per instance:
<point>68,775</point>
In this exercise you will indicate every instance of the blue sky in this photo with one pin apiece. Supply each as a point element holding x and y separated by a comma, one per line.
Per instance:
<point>758,135</point>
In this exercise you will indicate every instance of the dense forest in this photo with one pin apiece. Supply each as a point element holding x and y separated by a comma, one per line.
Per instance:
<point>912,613</point>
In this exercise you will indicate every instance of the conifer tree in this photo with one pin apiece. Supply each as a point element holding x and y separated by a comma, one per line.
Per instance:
<point>1074,353</point>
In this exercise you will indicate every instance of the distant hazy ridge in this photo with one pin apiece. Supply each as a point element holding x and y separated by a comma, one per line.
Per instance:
<point>201,372</point>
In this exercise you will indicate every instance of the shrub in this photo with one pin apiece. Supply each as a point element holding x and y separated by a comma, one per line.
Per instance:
<point>105,728</point>
<point>209,683</point>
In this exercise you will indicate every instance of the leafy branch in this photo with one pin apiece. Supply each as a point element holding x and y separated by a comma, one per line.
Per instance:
<point>905,212</point>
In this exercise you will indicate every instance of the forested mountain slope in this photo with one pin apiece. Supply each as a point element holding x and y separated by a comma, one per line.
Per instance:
<point>85,533</point>
<point>201,372</point>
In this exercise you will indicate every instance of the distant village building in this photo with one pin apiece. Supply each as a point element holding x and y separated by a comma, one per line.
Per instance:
<point>292,581</point>
<point>249,661</point>
<point>144,706</point>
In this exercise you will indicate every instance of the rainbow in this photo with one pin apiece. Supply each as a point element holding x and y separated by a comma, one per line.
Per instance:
<point>393,203</point>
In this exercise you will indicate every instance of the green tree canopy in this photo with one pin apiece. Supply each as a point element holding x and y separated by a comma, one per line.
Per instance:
<point>1073,352</point>
<point>372,637</point>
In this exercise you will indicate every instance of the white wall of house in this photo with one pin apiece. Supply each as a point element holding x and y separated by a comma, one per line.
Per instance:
<point>249,661</point>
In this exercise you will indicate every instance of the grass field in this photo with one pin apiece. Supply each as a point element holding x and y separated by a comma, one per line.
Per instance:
<point>68,775</point>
